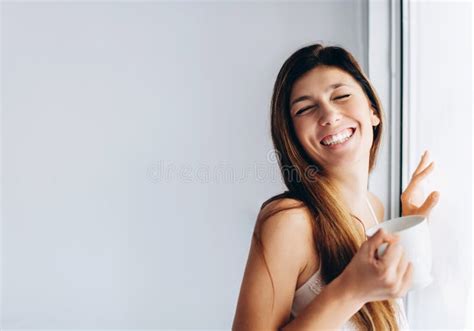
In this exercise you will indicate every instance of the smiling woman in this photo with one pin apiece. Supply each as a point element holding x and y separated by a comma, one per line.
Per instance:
<point>336,112</point>
<point>310,265</point>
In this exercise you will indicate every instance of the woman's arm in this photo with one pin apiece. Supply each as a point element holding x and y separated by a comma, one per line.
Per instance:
<point>288,237</point>
<point>329,310</point>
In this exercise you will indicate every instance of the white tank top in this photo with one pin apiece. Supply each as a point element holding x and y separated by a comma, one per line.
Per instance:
<point>309,290</point>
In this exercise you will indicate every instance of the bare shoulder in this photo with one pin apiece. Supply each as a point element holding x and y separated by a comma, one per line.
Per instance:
<point>288,207</point>
<point>284,229</point>
<point>378,206</point>
<point>288,215</point>
<point>291,220</point>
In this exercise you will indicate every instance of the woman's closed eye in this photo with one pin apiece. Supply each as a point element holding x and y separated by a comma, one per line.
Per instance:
<point>336,98</point>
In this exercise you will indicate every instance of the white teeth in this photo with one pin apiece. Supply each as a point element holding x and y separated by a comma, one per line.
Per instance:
<point>338,138</point>
<point>338,141</point>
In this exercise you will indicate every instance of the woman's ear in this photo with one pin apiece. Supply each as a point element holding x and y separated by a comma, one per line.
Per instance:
<point>374,118</point>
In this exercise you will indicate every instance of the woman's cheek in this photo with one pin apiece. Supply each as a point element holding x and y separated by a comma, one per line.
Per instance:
<point>303,132</point>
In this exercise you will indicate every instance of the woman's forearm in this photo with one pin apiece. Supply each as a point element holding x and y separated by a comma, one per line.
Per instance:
<point>329,310</point>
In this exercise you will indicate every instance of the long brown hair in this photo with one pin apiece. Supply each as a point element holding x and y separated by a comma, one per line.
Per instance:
<point>337,237</point>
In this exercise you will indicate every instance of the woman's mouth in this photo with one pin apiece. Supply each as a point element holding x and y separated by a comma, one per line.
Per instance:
<point>340,140</point>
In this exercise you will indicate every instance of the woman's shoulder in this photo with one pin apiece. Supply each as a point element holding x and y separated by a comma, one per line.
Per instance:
<point>286,207</point>
<point>285,201</point>
<point>288,214</point>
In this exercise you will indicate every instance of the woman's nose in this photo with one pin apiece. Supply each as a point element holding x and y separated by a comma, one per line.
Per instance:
<point>329,115</point>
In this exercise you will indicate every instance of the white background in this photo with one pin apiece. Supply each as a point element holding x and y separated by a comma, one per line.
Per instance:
<point>98,99</point>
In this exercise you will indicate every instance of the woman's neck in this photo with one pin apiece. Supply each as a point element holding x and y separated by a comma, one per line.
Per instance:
<point>352,184</point>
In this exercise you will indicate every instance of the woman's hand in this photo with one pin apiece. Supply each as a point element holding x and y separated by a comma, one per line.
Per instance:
<point>413,201</point>
<point>372,278</point>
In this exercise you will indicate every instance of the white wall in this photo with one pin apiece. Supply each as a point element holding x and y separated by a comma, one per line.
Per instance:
<point>99,97</point>
<point>439,119</point>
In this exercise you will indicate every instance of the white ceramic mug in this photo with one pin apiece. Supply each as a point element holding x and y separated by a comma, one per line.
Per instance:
<point>415,239</point>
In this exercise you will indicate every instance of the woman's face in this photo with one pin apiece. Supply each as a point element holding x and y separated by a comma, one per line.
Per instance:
<point>320,108</point>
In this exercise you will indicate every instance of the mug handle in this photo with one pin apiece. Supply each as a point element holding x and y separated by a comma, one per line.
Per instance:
<point>381,250</point>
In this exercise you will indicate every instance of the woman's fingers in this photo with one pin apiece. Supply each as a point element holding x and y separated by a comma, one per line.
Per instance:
<point>419,176</point>
<point>421,171</point>
<point>406,196</point>
<point>392,254</point>
<point>378,238</point>
<point>424,159</point>
<point>429,203</point>
<point>415,181</point>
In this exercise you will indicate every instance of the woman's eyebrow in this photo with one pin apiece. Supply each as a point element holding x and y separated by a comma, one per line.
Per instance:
<point>306,97</point>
